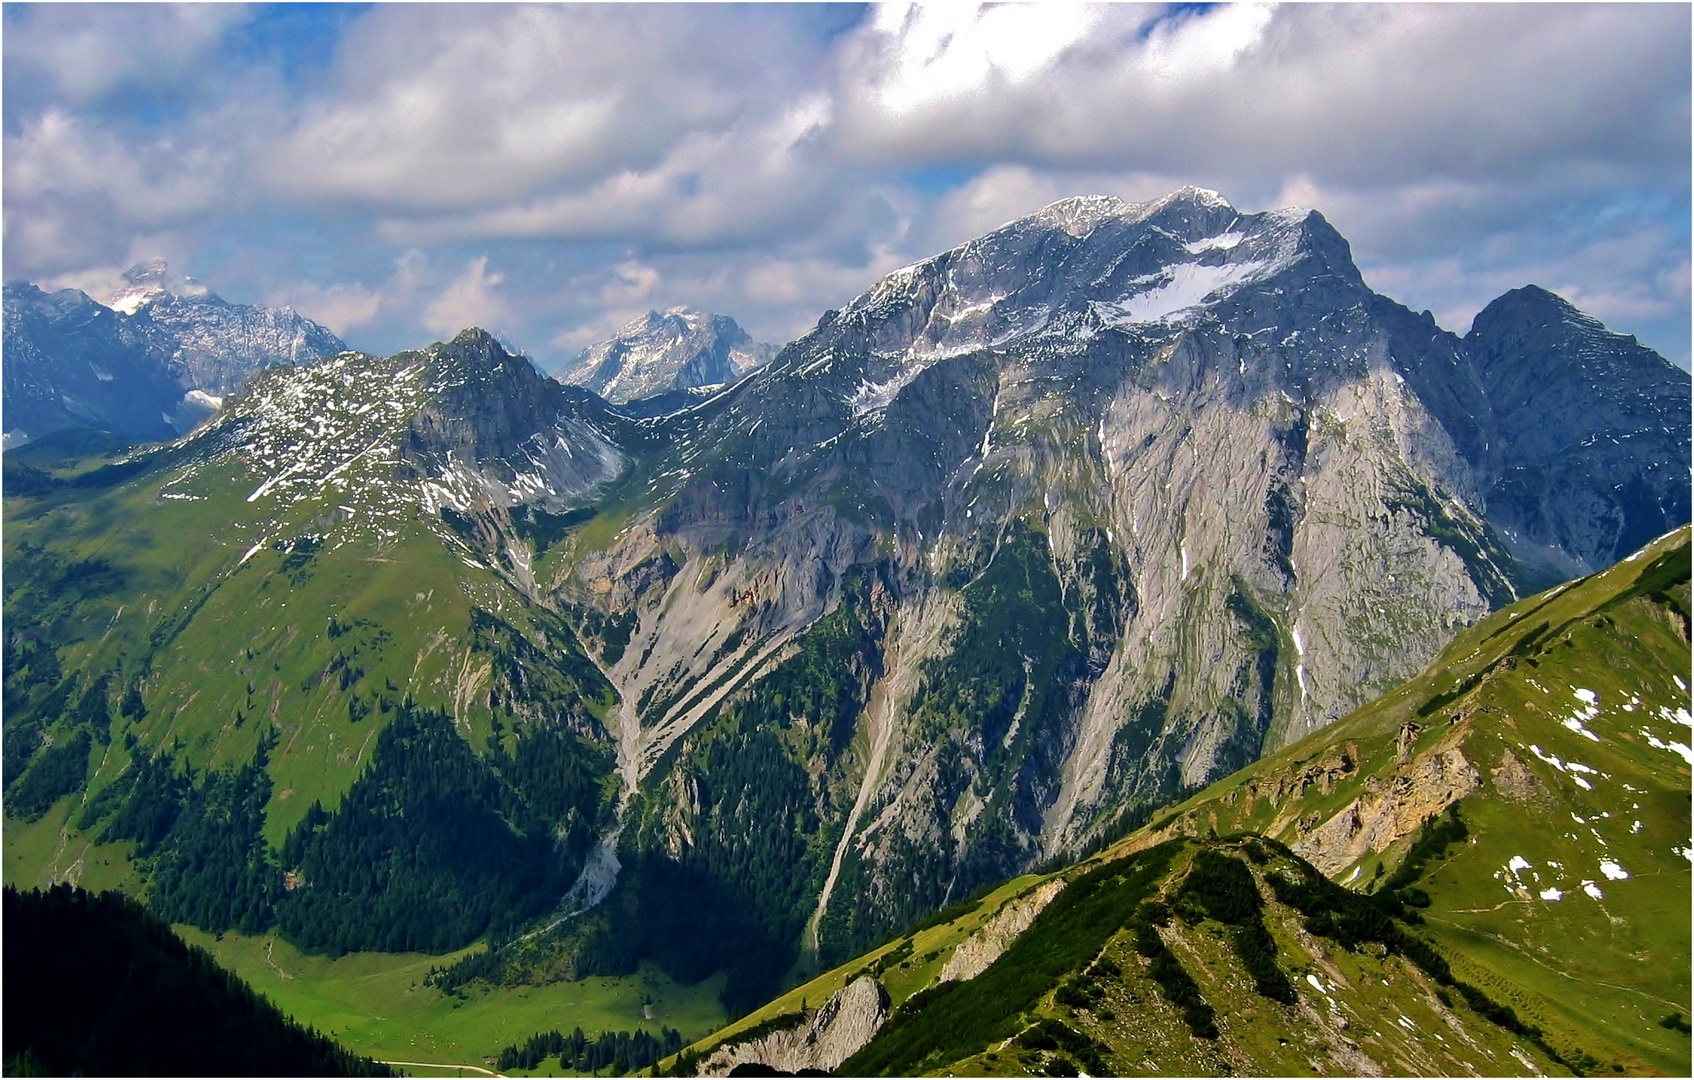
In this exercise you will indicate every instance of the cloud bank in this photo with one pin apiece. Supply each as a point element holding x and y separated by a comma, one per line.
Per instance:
<point>398,171</point>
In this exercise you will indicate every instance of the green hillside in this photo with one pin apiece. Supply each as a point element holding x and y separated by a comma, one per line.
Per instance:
<point>306,717</point>
<point>1563,725</point>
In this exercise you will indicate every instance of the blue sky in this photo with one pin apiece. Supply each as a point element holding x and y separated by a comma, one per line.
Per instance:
<point>398,171</point>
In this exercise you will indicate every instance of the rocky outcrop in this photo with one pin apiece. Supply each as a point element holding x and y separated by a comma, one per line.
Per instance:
<point>1391,810</point>
<point>1516,781</point>
<point>1279,788</point>
<point>973,955</point>
<point>821,1040</point>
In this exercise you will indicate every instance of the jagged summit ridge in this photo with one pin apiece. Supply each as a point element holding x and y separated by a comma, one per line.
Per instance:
<point>678,349</point>
<point>1075,269</point>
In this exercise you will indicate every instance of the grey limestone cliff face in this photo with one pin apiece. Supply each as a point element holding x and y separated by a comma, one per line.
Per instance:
<point>676,350</point>
<point>1211,406</point>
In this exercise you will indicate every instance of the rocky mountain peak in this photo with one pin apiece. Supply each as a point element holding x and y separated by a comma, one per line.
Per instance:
<point>146,282</point>
<point>1530,310</point>
<point>476,374</point>
<point>473,345</point>
<point>657,352</point>
<point>1083,267</point>
<point>1589,452</point>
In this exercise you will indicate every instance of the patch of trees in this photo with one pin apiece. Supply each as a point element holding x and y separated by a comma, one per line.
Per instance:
<point>48,603</point>
<point>1221,887</point>
<point>96,985</point>
<point>57,771</point>
<point>199,835</point>
<point>1019,653</point>
<point>541,683</point>
<point>623,1052</point>
<point>42,767</point>
<point>433,846</point>
<point>1059,1037</point>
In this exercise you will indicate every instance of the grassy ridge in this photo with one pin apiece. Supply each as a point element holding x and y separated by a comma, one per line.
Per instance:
<point>1597,973</point>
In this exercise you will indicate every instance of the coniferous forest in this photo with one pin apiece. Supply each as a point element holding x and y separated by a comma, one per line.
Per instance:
<point>96,985</point>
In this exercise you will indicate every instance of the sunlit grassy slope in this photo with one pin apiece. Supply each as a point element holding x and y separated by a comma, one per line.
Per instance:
<point>377,1004</point>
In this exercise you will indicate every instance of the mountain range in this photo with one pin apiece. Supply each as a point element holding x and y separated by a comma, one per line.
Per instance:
<point>151,363</point>
<point>1031,536</point>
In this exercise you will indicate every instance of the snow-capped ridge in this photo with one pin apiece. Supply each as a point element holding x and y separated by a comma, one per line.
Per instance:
<point>1076,267</point>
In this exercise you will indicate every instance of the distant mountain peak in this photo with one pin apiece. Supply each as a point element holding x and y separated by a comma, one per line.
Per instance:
<point>148,281</point>
<point>149,363</point>
<point>476,337</point>
<point>678,349</point>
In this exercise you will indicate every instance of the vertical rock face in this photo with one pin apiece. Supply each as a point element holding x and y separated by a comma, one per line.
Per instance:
<point>677,350</point>
<point>150,365</point>
<point>1589,458</point>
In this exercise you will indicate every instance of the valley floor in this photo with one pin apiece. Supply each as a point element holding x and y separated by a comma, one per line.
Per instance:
<point>377,1003</point>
